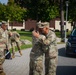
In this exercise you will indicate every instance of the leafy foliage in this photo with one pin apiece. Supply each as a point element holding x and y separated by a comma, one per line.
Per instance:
<point>15,13</point>
<point>12,12</point>
<point>72,10</point>
<point>52,12</point>
<point>2,12</point>
<point>44,10</point>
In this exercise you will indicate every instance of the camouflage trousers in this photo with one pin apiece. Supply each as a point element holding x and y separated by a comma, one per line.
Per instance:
<point>2,57</point>
<point>13,44</point>
<point>50,66</point>
<point>36,65</point>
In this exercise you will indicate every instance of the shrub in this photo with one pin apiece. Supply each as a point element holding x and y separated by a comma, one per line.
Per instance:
<point>31,29</point>
<point>22,29</point>
<point>14,29</point>
<point>57,30</point>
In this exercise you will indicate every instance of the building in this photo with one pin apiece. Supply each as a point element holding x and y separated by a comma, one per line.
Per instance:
<point>31,24</point>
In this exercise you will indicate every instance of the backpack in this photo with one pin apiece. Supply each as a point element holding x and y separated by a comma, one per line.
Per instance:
<point>7,54</point>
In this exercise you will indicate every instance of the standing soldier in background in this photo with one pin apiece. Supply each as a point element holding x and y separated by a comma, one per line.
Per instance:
<point>14,38</point>
<point>3,44</point>
<point>46,45</point>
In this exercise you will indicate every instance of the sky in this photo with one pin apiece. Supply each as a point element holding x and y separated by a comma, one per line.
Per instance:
<point>4,1</point>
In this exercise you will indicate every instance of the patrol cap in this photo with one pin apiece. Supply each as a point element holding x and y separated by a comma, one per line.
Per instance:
<point>4,22</point>
<point>43,24</point>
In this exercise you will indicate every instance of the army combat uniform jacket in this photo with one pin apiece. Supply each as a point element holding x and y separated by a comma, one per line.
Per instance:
<point>49,43</point>
<point>3,44</point>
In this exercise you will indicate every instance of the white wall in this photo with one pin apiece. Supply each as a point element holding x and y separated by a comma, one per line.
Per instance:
<point>17,27</point>
<point>57,26</point>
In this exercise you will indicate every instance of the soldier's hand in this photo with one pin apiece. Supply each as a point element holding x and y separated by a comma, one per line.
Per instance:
<point>36,34</point>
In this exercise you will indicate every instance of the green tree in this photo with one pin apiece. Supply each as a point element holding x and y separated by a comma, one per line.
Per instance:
<point>12,12</point>
<point>72,12</point>
<point>52,12</point>
<point>44,10</point>
<point>2,12</point>
<point>15,13</point>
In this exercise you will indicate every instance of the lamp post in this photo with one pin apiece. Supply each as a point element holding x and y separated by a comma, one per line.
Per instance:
<point>66,18</point>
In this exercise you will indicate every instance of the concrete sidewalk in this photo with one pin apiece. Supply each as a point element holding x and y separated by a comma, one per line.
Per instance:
<point>19,65</point>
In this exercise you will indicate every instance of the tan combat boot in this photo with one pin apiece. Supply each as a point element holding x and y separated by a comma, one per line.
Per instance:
<point>20,53</point>
<point>2,73</point>
<point>1,69</point>
<point>13,56</point>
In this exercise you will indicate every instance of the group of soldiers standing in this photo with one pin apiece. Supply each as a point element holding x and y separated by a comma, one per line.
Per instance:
<point>6,38</point>
<point>44,44</point>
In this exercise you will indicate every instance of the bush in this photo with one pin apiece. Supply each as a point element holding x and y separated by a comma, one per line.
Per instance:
<point>57,30</point>
<point>14,29</point>
<point>31,29</point>
<point>67,30</point>
<point>22,29</point>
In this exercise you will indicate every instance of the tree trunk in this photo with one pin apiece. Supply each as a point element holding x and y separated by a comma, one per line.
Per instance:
<point>62,19</point>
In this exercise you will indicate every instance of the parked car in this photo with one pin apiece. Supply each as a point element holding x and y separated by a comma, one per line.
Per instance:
<point>71,44</point>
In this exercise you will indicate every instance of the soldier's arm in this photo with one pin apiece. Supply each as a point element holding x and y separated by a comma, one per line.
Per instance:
<point>48,40</point>
<point>16,33</point>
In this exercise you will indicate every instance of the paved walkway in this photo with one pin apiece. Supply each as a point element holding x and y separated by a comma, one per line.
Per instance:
<point>19,65</point>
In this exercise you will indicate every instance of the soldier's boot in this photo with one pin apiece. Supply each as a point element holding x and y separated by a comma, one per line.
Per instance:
<point>2,73</point>
<point>13,55</point>
<point>1,69</point>
<point>20,52</point>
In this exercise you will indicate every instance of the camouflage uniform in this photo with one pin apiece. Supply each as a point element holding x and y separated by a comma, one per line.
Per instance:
<point>15,40</point>
<point>36,58</point>
<point>3,44</point>
<point>47,46</point>
<point>51,53</point>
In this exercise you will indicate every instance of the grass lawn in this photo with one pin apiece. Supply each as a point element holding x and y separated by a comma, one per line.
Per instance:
<point>25,35</point>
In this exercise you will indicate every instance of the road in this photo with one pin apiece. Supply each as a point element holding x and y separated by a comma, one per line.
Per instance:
<point>20,64</point>
<point>66,65</point>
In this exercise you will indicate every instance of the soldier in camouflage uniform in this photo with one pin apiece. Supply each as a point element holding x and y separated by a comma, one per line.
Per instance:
<point>47,45</point>
<point>3,44</point>
<point>14,38</point>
